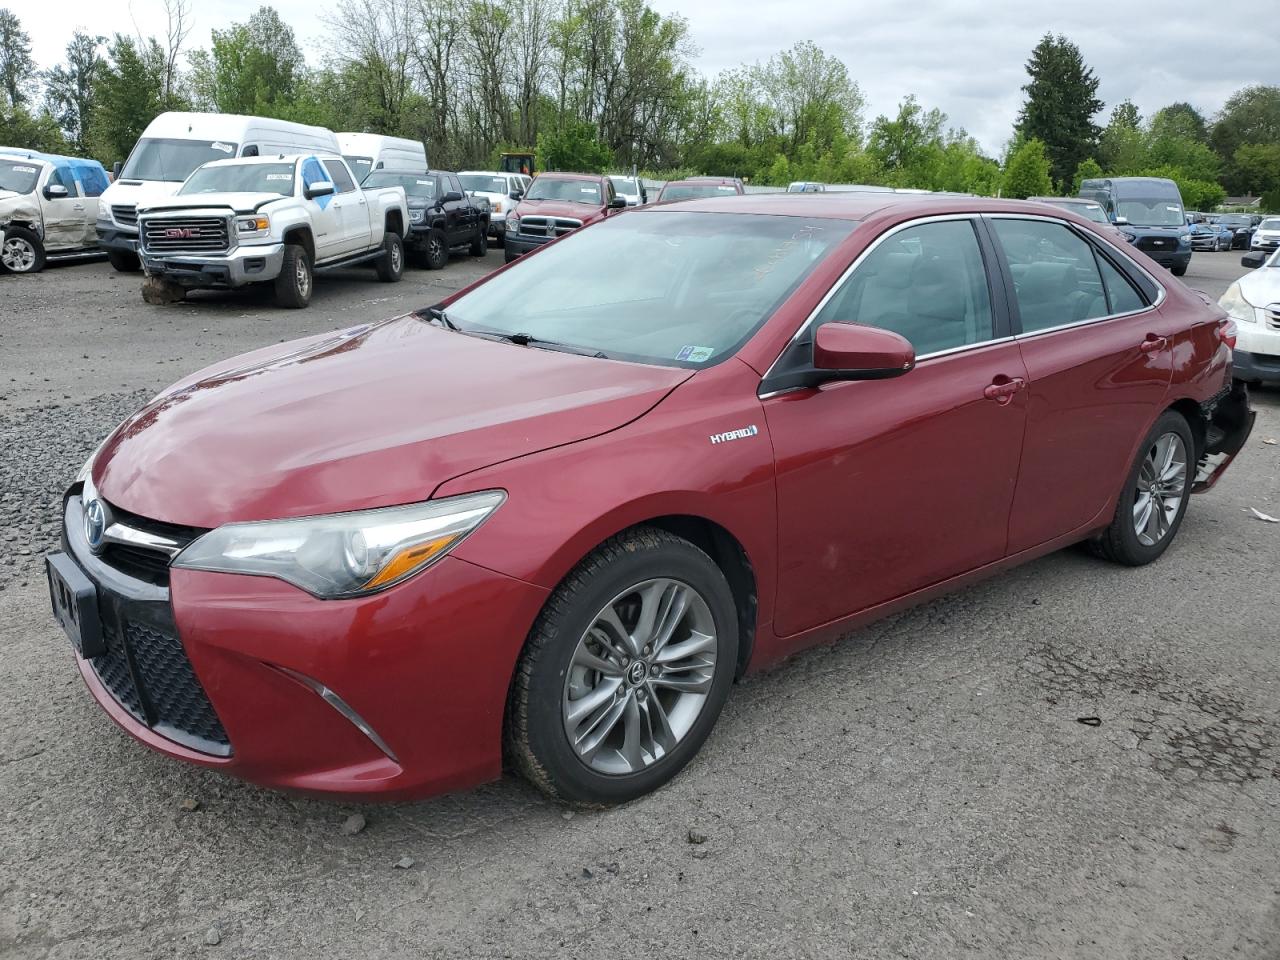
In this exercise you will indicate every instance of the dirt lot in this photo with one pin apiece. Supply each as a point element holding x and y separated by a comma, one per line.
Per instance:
<point>923,789</point>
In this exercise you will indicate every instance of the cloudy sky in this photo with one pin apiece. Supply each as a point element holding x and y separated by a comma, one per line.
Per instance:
<point>964,57</point>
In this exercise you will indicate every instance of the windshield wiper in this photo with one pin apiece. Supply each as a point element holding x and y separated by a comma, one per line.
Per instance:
<point>437,313</point>
<point>529,340</point>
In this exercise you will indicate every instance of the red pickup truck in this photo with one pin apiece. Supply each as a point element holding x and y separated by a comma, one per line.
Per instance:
<point>556,204</point>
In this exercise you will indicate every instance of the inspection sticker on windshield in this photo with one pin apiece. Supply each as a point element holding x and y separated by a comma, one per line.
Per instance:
<point>24,169</point>
<point>279,176</point>
<point>695,354</point>
<point>224,147</point>
<point>423,183</point>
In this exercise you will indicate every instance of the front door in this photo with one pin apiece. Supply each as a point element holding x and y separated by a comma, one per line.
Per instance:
<point>352,207</point>
<point>1099,360</point>
<point>66,218</point>
<point>889,486</point>
<point>326,220</point>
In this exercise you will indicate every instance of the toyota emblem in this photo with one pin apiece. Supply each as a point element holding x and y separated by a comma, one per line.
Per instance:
<point>95,523</point>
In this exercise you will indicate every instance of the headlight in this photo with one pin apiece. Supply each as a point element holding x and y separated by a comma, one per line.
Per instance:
<point>345,554</point>
<point>417,216</point>
<point>104,213</point>
<point>1185,238</point>
<point>1237,307</point>
<point>252,226</point>
<point>513,222</point>
<point>497,206</point>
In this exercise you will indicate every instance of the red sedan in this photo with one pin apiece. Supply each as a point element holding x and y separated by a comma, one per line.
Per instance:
<point>555,516</point>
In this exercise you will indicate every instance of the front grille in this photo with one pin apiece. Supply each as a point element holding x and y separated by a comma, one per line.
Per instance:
<point>1272,313</point>
<point>1159,244</point>
<point>548,226</point>
<point>113,670</point>
<point>140,562</point>
<point>185,234</point>
<point>126,214</point>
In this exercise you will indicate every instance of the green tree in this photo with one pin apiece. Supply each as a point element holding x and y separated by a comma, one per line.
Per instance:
<point>1180,120</point>
<point>1122,148</point>
<point>1257,165</point>
<point>1061,104</point>
<point>1250,116</point>
<point>38,132</point>
<point>17,69</point>
<point>1089,169</point>
<point>910,141</point>
<point>1027,171</point>
<point>69,88</point>
<point>128,92</point>
<point>253,67</point>
<point>574,147</point>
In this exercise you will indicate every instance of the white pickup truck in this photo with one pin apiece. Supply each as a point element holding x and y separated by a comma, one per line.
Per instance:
<point>271,220</point>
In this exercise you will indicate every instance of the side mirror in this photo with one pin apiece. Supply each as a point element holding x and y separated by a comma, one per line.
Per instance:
<point>1121,221</point>
<point>517,194</point>
<point>321,188</point>
<point>452,196</point>
<point>850,351</point>
<point>115,170</point>
<point>618,203</point>
<point>1253,260</point>
<point>55,191</point>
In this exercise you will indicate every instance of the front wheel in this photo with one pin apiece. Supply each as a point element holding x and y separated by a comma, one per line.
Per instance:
<point>625,671</point>
<point>480,245</point>
<point>22,251</point>
<point>1154,498</point>
<point>295,281</point>
<point>124,261</point>
<point>390,265</point>
<point>1180,271</point>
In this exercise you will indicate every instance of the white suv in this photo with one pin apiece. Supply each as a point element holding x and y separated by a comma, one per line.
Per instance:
<point>1267,236</point>
<point>1253,302</point>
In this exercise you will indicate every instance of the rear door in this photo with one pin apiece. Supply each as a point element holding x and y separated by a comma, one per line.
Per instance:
<point>462,213</point>
<point>1099,360</point>
<point>889,486</point>
<point>353,208</point>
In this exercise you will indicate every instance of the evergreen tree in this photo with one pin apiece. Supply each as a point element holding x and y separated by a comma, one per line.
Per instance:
<point>17,69</point>
<point>1061,104</point>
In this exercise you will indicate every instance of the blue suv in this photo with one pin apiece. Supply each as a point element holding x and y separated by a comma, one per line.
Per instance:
<point>1149,212</point>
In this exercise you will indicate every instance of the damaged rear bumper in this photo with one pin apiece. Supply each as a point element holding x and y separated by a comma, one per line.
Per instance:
<point>1228,423</point>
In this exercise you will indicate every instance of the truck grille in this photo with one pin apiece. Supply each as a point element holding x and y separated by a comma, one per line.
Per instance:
<point>126,214</point>
<point>185,234</point>
<point>548,226</point>
<point>1159,244</point>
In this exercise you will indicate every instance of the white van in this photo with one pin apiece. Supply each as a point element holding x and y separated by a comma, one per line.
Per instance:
<point>367,152</point>
<point>172,146</point>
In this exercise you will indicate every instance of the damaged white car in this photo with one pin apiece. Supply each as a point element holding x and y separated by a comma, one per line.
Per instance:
<point>48,207</point>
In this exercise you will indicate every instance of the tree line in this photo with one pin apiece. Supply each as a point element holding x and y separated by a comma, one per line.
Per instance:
<point>608,84</point>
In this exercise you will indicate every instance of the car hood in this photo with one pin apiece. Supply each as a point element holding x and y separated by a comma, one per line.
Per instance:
<point>373,416</point>
<point>240,202</point>
<point>138,192</point>
<point>558,208</point>
<point>1261,287</point>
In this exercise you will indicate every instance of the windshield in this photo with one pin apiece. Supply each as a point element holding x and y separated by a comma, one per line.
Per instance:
<point>1090,211</point>
<point>1151,213</point>
<point>1236,221</point>
<point>626,185</point>
<point>414,186</point>
<point>241,178</point>
<point>18,177</point>
<point>1272,224</point>
<point>574,191</point>
<point>691,191</point>
<point>660,288</point>
<point>479,183</point>
<point>172,160</point>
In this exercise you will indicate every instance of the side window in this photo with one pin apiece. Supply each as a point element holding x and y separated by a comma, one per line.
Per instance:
<point>609,191</point>
<point>455,185</point>
<point>927,283</point>
<point>1055,274</point>
<point>93,181</point>
<point>1120,292</point>
<point>62,176</point>
<point>342,182</point>
<point>250,150</point>
<point>312,172</point>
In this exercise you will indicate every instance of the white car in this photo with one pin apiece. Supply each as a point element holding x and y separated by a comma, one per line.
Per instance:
<point>1253,302</point>
<point>502,190</point>
<point>631,189</point>
<point>1267,236</point>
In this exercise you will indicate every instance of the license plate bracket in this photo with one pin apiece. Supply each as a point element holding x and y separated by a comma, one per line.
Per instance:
<point>74,599</point>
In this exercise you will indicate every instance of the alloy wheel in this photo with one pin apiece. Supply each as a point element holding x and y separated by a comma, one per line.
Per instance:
<point>639,676</point>
<point>1162,483</point>
<point>302,275</point>
<point>19,255</point>
<point>395,258</point>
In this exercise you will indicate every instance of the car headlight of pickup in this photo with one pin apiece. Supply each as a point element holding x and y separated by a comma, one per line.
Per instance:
<point>497,206</point>
<point>255,226</point>
<point>344,554</point>
<point>1237,307</point>
<point>417,216</point>
<point>1184,238</point>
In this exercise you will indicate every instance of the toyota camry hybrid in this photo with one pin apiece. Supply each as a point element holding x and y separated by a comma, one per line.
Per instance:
<point>549,520</point>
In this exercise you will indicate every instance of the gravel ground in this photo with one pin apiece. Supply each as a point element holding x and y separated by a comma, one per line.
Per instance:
<point>925,788</point>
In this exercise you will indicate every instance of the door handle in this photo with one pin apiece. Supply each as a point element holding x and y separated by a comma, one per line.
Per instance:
<point>78,206</point>
<point>1153,343</point>
<point>362,201</point>
<point>1002,389</point>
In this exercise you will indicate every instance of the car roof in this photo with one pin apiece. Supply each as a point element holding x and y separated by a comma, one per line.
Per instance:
<point>1090,202</point>
<point>559,175</point>
<point>705,181</point>
<point>271,158</point>
<point>488,173</point>
<point>853,206</point>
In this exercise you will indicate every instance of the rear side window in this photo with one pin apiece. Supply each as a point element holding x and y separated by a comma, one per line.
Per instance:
<point>342,181</point>
<point>1120,292</point>
<point>1055,275</point>
<point>927,283</point>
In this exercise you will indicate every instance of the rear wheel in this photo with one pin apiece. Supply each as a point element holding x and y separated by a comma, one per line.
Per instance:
<point>295,282</point>
<point>1154,499</point>
<point>390,265</point>
<point>480,245</point>
<point>625,672</point>
<point>22,251</point>
<point>124,261</point>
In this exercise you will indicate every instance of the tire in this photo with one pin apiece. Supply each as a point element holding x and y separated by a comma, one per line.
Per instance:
<point>437,252</point>
<point>390,265</point>
<point>296,280</point>
<point>123,261</point>
<point>508,254</point>
<point>1123,541</point>
<point>566,635</point>
<point>480,245</point>
<point>22,252</point>
<point>1179,271</point>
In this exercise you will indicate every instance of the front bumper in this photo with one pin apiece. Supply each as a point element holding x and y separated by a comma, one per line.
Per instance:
<point>240,266</point>
<point>1264,243</point>
<point>518,244</point>
<point>111,237</point>
<point>1170,258</point>
<point>1205,243</point>
<point>394,696</point>
<point>1263,367</point>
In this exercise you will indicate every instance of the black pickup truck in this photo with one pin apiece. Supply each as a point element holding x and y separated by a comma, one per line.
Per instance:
<point>441,215</point>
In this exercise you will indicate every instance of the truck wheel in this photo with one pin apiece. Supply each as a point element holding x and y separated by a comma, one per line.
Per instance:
<point>437,250</point>
<point>391,264</point>
<point>22,252</point>
<point>124,261</point>
<point>480,245</point>
<point>1180,271</point>
<point>295,282</point>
